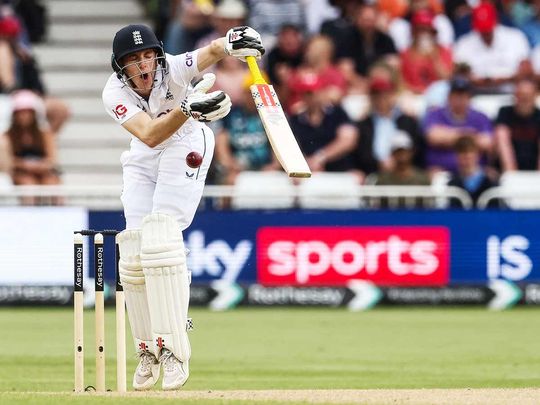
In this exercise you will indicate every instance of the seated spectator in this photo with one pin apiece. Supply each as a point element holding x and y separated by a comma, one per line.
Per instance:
<point>6,160</point>
<point>230,75</point>
<point>470,174</point>
<point>285,57</point>
<point>424,62</point>
<point>493,51</point>
<point>517,130</point>
<point>444,126</point>
<point>9,31</point>
<point>400,29</point>
<point>531,27</point>
<point>33,150</point>
<point>436,95</point>
<point>340,28</point>
<point>189,22</point>
<point>323,131</point>
<point>268,16</point>
<point>401,170</point>
<point>318,61</point>
<point>241,142</point>
<point>227,14</point>
<point>377,130</point>
<point>462,17</point>
<point>365,45</point>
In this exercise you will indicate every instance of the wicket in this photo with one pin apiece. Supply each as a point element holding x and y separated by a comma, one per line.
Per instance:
<point>78,305</point>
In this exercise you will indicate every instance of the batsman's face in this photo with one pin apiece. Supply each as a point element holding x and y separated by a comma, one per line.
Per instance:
<point>140,70</point>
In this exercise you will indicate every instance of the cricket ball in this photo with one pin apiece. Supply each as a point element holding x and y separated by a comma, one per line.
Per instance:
<point>194,159</point>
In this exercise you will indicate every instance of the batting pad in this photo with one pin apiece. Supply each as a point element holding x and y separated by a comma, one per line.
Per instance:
<point>132,279</point>
<point>163,260</point>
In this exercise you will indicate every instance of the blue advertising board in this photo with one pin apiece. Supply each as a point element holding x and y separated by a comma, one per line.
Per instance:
<point>482,245</point>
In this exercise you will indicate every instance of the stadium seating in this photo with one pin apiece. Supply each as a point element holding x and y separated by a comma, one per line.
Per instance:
<point>267,190</point>
<point>329,191</point>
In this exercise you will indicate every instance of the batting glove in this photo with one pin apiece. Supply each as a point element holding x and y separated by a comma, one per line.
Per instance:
<point>243,41</point>
<point>206,107</point>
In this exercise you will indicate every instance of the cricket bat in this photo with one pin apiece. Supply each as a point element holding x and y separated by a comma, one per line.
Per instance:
<point>275,124</point>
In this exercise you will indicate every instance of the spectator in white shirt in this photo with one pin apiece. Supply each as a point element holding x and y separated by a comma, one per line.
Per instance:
<point>494,52</point>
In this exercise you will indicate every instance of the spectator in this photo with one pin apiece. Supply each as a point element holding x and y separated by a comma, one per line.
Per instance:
<point>318,61</point>
<point>317,12</point>
<point>425,61</point>
<point>493,51</point>
<point>32,149</point>
<point>367,44</point>
<point>268,16</point>
<point>462,15</point>
<point>400,29</point>
<point>9,31</point>
<point>286,55</point>
<point>226,15</point>
<point>6,161</point>
<point>188,24</point>
<point>470,174</point>
<point>230,74</point>
<point>517,131</point>
<point>241,142</point>
<point>323,130</point>
<point>342,27</point>
<point>436,95</point>
<point>401,170</point>
<point>531,27</point>
<point>444,126</point>
<point>377,130</point>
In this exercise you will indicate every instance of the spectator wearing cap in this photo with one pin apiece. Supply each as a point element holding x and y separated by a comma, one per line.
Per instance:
<point>470,174</point>
<point>227,14</point>
<point>401,29</point>
<point>517,130</point>
<point>241,142</point>
<point>494,52</point>
<point>33,149</point>
<point>444,126</point>
<point>230,72</point>
<point>378,128</point>
<point>318,60</point>
<point>402,170</point>
<point>323,131</point>
<point>425,61</point>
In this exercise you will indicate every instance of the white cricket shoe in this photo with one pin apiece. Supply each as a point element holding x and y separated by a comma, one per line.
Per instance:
<point>147,372</point>
<point>175,373</point>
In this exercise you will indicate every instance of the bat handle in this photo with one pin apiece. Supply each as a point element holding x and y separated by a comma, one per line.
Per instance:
<point>254,69</point>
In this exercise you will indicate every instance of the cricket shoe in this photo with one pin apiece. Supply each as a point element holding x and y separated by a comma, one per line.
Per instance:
<point>147,372</point>
<point>175,372</point>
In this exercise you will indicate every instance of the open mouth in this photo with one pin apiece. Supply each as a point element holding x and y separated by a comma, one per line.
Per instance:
<point>145,76</point>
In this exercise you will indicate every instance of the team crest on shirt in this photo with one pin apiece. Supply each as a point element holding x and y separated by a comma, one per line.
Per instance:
<point>120,111</point>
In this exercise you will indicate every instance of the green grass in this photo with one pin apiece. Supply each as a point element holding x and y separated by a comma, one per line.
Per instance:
<point>290,349</point>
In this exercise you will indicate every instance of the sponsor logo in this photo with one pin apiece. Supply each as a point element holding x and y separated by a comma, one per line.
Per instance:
<point>143,346</point>
<point>234,36</point>
<point>217,258</point>
<point>169,96</point>
<point>160,342</point>
<point>333,256</point>
<point>189,59</point>
<point>137,38</point>
<point>506,257</point>
<point>266,95</point>
<point>189,175</point>
<point>120,111</point>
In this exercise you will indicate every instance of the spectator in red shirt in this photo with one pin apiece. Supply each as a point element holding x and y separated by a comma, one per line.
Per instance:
<point>425,61</point>
<point>318,60</point>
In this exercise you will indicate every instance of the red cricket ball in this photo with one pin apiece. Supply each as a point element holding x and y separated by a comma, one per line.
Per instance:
<point>194,159</point>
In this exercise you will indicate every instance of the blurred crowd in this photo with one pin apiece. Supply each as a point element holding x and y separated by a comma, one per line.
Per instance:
<point>380,88</point>
<point>383,89</point>
<point>28,146</point>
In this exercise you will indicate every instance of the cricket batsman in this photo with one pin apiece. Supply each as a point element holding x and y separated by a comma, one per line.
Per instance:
<point>151,96</point>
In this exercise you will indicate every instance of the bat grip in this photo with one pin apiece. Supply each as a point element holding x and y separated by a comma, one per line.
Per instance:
<point>254,69</point>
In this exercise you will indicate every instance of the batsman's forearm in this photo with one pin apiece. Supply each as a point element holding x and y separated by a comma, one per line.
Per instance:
<point>162,128</point>
<point>211,54</point>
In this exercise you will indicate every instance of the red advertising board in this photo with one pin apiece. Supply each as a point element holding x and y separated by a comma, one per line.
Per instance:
<point>332,256</point>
